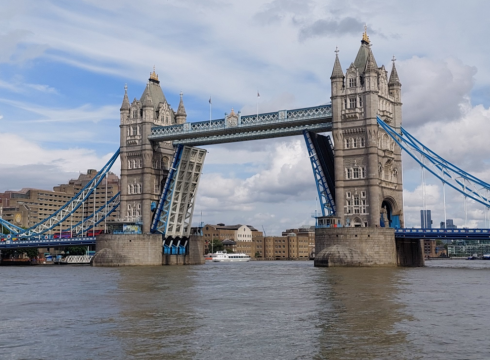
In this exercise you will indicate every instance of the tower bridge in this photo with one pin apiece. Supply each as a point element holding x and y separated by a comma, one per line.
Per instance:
<point>357,170</point>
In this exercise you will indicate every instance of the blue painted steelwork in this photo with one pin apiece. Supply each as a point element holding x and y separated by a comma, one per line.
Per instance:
<point>112,204</point>
<point>66,210</point>
<point>324,192</point>
<point>456,178</point>
<point>250,127</point>
<point>160,218</point>
<point>449,234</point>
<point>9,244</point>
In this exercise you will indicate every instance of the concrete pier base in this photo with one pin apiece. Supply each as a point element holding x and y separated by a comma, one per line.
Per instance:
<point>364,247</point>
<point>128,250</point>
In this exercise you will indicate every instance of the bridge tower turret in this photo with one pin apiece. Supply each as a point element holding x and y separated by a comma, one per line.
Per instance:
<point>368,181</point>
<point>144,165</point>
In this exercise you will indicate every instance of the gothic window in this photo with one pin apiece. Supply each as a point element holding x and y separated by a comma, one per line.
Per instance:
<point>356,200</point>
<point>362,142</point>
<point>134,164</point>
<point>347,143</point>
<point>356,173</point>
<point>363,194</point>
<point>129,164</point>
<point>140,165</point>
<point>345,103</point>
<point>135,114</point>
<point>363,172</point>
<point>352,103</point>
<point>349,173</point>
<point>347,194</point>
<point>360,101</point>
<point>352,82</point>
<point>354,142</point>
<point>131,188</point>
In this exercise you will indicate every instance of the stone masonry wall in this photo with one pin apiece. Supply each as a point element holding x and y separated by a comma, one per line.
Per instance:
<point>362,246</point>
<point>128,250</point>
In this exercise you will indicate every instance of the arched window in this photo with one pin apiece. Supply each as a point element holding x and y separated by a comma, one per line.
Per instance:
<point>131,189</point>
<point>363,172</point>
<point>349,173</point>
<point>354,142</point>
<point>347,143</point>
<point>362,142</point>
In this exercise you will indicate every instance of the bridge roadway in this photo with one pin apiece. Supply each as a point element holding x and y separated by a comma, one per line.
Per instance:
<point>447,234</point>
<point>44,243</point>
<point>236,127</point>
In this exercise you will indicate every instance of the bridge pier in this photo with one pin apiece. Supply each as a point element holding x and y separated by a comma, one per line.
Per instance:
<point>128,250</point>
<point>143,250</point>
<point>357,246</point>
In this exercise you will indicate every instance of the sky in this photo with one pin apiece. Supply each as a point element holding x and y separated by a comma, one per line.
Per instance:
<point>64,65</point>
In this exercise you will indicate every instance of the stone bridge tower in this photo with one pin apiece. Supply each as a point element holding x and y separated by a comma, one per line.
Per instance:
<point>144,165</point>
<point>368,168</point>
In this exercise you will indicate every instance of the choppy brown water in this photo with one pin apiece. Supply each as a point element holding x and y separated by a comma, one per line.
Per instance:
<point>256,310</point>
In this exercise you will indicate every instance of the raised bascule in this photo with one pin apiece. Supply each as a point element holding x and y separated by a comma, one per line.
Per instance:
<point>357,170</point>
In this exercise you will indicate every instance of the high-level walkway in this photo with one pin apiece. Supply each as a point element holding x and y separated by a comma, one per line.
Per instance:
<point>235,127</point>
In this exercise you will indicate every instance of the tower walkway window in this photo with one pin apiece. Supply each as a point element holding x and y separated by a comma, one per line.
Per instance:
<point>352,103</point>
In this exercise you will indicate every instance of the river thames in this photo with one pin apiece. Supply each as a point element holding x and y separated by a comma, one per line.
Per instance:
<point>255,310</point>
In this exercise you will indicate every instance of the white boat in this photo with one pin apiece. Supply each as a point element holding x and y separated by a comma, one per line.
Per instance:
<point>221,256</point>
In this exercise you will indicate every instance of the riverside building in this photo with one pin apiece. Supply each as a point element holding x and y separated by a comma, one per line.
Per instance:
<point>29,206</point>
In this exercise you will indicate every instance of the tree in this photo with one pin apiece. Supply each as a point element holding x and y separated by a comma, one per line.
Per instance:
<point>76,250</point>
<point>439,242</point>
<point>257,254</point>
<point>215,245</point>
<point>229,251</point>
<point>30,252</point>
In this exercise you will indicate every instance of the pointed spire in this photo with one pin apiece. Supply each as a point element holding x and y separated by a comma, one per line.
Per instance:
<point>394,79</point>
<point>125,104</point>
<point>181,108</point>
<point>337,69</point>
<point>370,62</point>
<point>147,102</point>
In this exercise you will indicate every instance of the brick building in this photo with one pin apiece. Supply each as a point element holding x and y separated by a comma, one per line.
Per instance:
<point>27,207</point>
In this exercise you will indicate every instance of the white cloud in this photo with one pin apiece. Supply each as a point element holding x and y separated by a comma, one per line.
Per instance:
<point>30,165</point>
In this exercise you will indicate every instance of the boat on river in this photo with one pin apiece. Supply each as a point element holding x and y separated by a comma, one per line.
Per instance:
<point>221,256</point>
